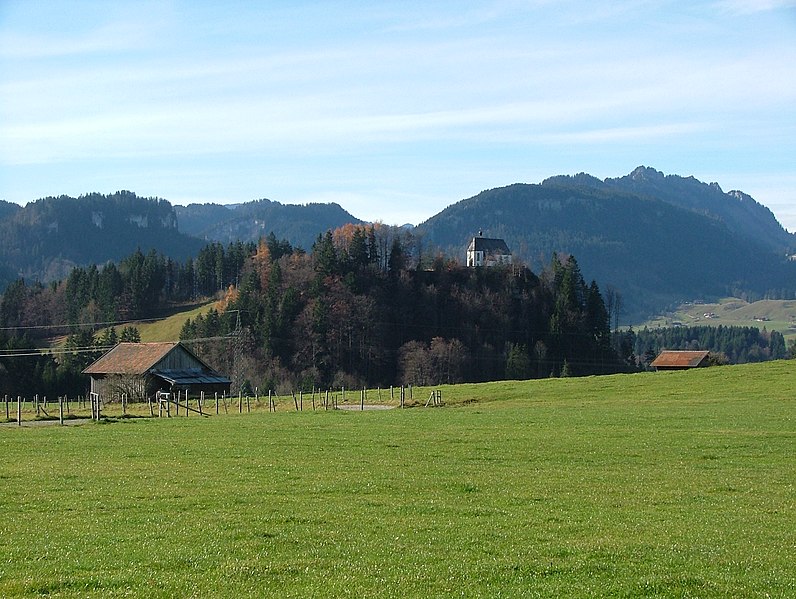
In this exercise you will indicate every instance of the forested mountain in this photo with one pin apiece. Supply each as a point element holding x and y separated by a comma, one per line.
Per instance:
<point>8,208</point>
<point>737,210</point>
<point>650,250</point>
<point>300,225</point>
<point>45,239</point>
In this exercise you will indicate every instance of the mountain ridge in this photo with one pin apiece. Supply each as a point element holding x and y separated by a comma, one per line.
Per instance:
<point>299,224</point>
<point>656,238</point>
<point>653,250</point>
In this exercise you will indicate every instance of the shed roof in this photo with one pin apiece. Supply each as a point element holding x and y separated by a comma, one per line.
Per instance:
<point>192,377</point>
<point>135,358</point>
<point>679,359</point>
<point>489,245</point>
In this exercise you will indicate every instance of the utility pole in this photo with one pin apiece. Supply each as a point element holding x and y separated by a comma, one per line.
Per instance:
<point>237,354</point>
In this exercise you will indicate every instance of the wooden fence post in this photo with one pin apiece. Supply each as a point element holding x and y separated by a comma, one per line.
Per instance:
<point>362,400</point>
<point>293,393</point>
<point>19,410</point>
<point>301,400</point>
<point>216,392</point>
<point>240,402</point>
<point>6,400</point>
<point>60,410</point>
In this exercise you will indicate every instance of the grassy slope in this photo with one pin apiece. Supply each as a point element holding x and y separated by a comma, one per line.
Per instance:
<point>650,485</point>
<point>736,312</point>
<point>168,329</point>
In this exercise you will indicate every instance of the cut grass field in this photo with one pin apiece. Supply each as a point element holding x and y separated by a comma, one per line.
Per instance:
<point>648,485</point>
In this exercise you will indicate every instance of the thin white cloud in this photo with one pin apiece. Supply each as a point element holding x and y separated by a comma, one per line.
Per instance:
<point>748,7</point>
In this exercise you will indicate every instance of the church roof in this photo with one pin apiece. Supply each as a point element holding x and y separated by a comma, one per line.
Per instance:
<point>488,245</point>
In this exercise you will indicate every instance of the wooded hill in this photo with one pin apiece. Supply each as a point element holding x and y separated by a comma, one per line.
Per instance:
<point>355,311</point>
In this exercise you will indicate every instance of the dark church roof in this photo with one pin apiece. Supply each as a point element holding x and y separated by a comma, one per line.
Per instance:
<point>488,245</point>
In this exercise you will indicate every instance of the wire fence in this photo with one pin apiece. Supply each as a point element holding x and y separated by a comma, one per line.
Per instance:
<point>22,410</point>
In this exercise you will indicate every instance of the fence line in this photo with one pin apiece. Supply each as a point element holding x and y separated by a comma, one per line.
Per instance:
<point>96,407</point>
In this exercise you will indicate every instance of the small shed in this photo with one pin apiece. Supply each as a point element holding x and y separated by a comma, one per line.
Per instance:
<point>141,369</point>
<point>485,251</point>
<point>680,360</point>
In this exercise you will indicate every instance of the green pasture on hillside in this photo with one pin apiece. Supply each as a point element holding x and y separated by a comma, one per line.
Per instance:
<point>774,315</point>
<point>646,485</point>
<point>168,329</point>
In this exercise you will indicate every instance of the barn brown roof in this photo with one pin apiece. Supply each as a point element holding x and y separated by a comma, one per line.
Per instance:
<point>131,358</point>
<point>680,359</point>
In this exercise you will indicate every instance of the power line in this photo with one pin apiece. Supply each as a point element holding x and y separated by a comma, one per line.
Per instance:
<point>51,351</point>
<point>78,324</point>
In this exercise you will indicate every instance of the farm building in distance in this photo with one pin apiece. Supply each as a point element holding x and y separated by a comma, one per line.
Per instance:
<point>680,360</point>
<point>484,251</point>
<point>141,369</point>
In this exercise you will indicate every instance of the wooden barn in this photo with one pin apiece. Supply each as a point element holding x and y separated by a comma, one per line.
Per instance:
<point>141,369</point>
<point>484,251</point>
<point>680,360</point>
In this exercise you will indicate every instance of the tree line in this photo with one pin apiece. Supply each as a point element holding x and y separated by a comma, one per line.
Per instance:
<point>729,344</point>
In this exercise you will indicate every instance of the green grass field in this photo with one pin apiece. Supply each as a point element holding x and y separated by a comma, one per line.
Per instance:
<point>775,315</point>
<point>168,329</point>
<point>647,485</point>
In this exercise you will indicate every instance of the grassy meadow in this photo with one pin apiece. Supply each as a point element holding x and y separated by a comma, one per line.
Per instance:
<point>168,329</point>
<point>647,485</point>
<point>779,315</point>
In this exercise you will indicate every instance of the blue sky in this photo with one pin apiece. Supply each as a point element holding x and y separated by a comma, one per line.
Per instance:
<point>393,110</point>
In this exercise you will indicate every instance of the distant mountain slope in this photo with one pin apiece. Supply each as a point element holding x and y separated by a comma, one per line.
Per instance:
<point>651,250</point>
<point>46,238</point>
<point>8,208</point>
<point>299,224</point>
<point>737,210</point>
